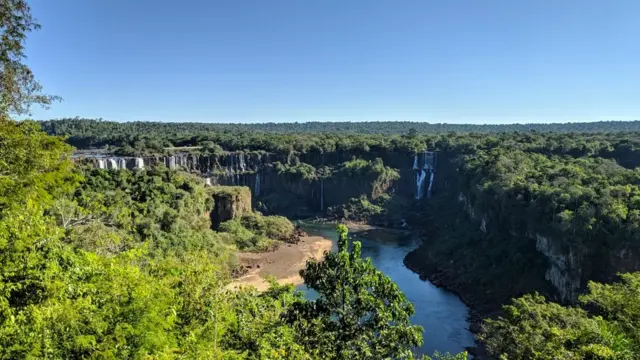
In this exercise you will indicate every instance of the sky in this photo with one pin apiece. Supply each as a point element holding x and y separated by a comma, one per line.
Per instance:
<point>454,61</point>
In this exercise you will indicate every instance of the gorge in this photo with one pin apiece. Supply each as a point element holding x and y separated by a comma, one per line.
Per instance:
<point>302,185</point>
<point>498,215</point>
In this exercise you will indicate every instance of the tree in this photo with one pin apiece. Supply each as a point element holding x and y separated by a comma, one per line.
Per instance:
<point>360,314</point>
<point>532,328</point>
<point>18,86</point>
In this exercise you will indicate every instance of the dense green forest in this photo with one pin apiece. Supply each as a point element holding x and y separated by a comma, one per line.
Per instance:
<point>119,264</point>
<point>82,127</point>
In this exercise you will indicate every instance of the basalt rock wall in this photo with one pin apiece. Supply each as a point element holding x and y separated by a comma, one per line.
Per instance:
<point>229,202</point>
<point>257,171</point>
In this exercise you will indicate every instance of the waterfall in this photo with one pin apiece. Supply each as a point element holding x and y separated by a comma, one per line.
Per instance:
<point>112,164</point>
<point>207,182</point>
<point>420,179</point>
<point>256,187</point>
<point>139,163</point>
<point>241,161</point>
<point>102,164</point>
<point>196,163</point>
<point>415,162</point>
<point>171,162</point>
<point>122,164</point>
<point>430,184</point>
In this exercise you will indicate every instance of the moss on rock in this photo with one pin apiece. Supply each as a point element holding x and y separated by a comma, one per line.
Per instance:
<point>229,202</point>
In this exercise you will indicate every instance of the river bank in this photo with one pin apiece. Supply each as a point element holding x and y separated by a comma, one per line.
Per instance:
<point>441,314</point>
<point>481,305</point>
<point>284,264</point>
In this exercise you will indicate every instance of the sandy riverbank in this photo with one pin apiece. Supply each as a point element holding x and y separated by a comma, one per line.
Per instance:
<point>284,264</point>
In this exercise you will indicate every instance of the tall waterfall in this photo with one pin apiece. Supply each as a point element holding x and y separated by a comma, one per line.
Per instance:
<point>256,186</point>
<point>102,164</point>
<point>428,167</point>
<point>112,164</point>
<point>241,162</point>
<point>139,163</point>
<point>171,162</point>
<point>420,179</point>
<point>122,164</point>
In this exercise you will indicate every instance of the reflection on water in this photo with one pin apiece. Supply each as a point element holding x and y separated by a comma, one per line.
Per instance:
<point>442,315</point>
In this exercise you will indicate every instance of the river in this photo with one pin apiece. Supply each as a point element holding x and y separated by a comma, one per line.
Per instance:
<point>441,313</point>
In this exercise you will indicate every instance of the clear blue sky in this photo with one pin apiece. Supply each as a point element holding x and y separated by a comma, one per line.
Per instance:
<point>474,61</point>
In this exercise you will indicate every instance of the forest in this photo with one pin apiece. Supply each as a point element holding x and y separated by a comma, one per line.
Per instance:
<point>536,227</point>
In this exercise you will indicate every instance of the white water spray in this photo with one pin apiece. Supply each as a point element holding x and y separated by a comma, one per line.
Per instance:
<point>256,186</point>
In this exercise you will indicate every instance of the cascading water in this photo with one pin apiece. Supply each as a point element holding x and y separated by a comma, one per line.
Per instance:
<point>241,162</point>
<point>256,186</point>
<point>102,164</point>
<point>420,178</point>
<point>139,164</point>
<point>428,166</point>
<point>230,166</point>
<point>430,184</point>
<point>122,164</point>
<point>207,182</point>
<point>196,163</point>
<point>112,164</point>
<point>171,162</point>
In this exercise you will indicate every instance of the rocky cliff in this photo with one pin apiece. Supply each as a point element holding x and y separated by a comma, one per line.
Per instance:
<point>489,252</point>
<point>229,202</point>
<point>277,185</point>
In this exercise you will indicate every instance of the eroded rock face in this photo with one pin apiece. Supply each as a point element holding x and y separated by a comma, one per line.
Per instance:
<point>229,202</point>
<point>564,271</point>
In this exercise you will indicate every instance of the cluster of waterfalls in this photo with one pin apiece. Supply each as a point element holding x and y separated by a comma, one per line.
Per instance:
<point>118,163</point>
<point>229,163</point>
<point>256,170</point>
<point>233,168</point>
<point>424,169</point>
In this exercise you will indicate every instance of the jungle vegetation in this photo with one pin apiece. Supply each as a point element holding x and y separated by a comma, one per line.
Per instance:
<point>123,265</point>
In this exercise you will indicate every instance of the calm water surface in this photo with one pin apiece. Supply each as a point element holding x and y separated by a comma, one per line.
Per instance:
<point>442,315</point>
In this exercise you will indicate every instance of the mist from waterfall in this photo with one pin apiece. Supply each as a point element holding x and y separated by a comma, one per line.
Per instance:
<point>430,184</point>
<point>420,179</point>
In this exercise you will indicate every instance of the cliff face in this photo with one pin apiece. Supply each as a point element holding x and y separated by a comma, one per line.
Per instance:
<point>474,245</point>
<point>275,191</point>
<point>229,202</point>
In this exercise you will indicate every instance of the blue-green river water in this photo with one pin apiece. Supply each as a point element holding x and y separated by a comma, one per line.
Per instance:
<point>442,315</point>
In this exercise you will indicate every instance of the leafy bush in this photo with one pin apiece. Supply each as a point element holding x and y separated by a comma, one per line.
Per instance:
<point>533,328</point>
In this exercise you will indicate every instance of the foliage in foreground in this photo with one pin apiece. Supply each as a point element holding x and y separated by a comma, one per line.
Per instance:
<point>118,265</point>
<point>606,327</point>
<point>361,313</point>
